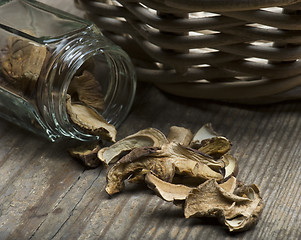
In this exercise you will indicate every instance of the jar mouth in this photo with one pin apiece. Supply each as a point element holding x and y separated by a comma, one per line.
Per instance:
<point>111,68</point>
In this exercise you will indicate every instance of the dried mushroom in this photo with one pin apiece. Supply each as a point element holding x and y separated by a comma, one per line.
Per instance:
<point>87,154</point>
<point>136,161</point>
<point>237,211</point>
<point>164,162</point>
<point>205,132</point>
<point>168,191</point>
<point>190,153</point>
<point>85,88</point>
<point>196,173</point>
<point>215,147</point>
<point>229,185</point>
<point>23,63</point>
<point>192,163</point>
<point>149,137</point>
<point>231,166</point>
<point>88,119</point>
<point>206,140</point>
<point>180,135</point>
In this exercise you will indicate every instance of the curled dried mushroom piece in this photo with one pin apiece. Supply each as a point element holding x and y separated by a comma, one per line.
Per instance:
<point>231,166</point>
<point>238,211</point>
<point>87,154</point>
<point>90,120</point>
<point>150,137</point>
<point>192,163</point>
<point>168,191</point>
<point>87,89</point>
<point>137,161</point>
<point>209,142</point>
<point>180,135</point>
<point>22,65</point>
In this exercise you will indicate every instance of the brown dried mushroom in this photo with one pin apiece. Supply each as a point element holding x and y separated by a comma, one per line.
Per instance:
<point>209,142</point>
<point>150,137</point>
<point>164,163</point>
<point>205,132</point>
<point>136,161</point>
<point>231,166</point>
<point>192,163</point>
<point>168,191</point>
<point>87,154</point>
<point>229,185</point>
<point>238,211</point>
<point>89,120</point>
<point>180,135</point>
<point>87,89</point>
<point>176,192</point>
<point>23,63</point>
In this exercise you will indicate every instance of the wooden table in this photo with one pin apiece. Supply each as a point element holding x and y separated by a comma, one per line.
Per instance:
<point>45,194</point>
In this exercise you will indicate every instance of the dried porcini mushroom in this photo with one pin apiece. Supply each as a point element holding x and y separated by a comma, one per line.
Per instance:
<point>85,88</point>
<point>180,135</point>
<point>89,120</point>
<point>87,153</point>
<point>168,191</point>
<point>209,142</point>
<point>231,166</point>
<point>150,137</point>
<point>215,147</point>
<point>180,151</point>
<point>196,173</point>
<point>164,163</point>
<point>23,62</point>
<point>237,211</point>
<point>137,160</point>
<point>192,163</point>
<point>229,185</point>
<point>205,132</point>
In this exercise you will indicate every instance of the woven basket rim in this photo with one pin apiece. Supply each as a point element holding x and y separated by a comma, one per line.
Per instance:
<point>223,5</point>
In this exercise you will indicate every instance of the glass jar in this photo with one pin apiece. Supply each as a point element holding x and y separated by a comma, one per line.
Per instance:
<point>42,50</point>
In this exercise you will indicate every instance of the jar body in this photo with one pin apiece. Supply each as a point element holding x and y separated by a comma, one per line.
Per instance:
<point>42,50</point>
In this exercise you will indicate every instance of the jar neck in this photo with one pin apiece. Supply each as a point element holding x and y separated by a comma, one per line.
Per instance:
<point>68,57</point>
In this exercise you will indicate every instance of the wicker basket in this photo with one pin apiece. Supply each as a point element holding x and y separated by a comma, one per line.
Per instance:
<point>236,50</point>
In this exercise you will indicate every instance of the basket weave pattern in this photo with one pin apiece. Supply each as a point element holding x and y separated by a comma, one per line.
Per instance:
<point>232,49</point>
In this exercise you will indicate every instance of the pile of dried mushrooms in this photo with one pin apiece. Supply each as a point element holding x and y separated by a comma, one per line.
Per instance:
<point>194,171</point>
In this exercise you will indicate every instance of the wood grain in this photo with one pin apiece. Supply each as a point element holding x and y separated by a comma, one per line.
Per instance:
<point>45,194</point>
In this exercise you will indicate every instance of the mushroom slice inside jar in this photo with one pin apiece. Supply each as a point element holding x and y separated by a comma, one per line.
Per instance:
<point>238,211</point>
<point>150,137</point>
<point>180,135</point>
<point>168,191</point>
<point>23,64</point>
<point>87,89</point>
<point>138,160</point>
<point>87,154</point>
<point>89,120</point>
